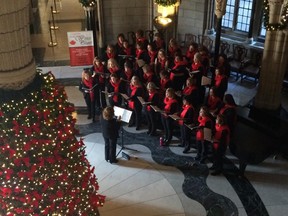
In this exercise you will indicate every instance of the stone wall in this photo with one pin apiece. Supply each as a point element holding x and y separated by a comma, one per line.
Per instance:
<point>122,16</point>
<point>130,15</point>
<point>191,18</point>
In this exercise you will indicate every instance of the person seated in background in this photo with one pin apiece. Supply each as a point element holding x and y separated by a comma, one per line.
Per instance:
<point>221,140</point>
<point>152,117</point>
<point>187,115</point>
<point>171,106</point>
<point>110,127</point>
<point>114,88</point>
<point>87,88</point>
<point>136,89</point>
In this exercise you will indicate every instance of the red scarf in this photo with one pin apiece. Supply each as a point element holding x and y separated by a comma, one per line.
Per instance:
<point>162,62</point>
<point>219,79</point>
<point>89,84</point>
<point>148,76</point>
<point>168,103</point>
<point>131,103</point>
<point>128,51</point>
<point>150,98</point>
<point>100,69</point>
<point>189,89</point>
<point>226,106</point>
<point>113,70</point>
<point>202,122</point>
<point>163,83</point>
<point>116,90</point>
<point>152,56</point>
<point>185,109</point>
<point>213,101</point>
<point>138,53</point>
<point>190,55</point>
<point>218,133</point>
<point>195,66</point>
<point>176,65</point>
<point>110,55</point>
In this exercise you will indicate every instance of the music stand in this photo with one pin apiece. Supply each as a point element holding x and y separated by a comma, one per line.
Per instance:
<point>125,117</point>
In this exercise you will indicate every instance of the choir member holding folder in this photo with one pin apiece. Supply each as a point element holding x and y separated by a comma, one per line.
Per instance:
<point>187,116</point>
<point>114,89</point>
<point>100,78</point>
<point>134,104</point>
<point>87,86</point>
<point>170,107</point>
<point>151,115</point>
<point>205,122</point>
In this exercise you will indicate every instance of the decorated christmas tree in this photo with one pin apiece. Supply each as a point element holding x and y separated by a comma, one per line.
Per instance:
<point>43,168</point>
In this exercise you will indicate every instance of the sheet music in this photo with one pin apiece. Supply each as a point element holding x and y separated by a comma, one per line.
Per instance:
<point>142,101</point>
<point>125,96</point>
<point>207,134</point>
<point>205,81</point>
<point>124,113</point>
<point>175,117</point>
<point>193,72</point>
<point>156,109</point>
<point>191,127</point>
<point>90,89</point>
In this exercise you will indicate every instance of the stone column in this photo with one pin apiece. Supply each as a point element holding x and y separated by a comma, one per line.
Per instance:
<point>273,63</point>
<point>17,66</point>
<point>210,18</point>
<point>220,10</point>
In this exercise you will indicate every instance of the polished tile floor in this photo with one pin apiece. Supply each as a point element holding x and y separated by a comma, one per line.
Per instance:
<point>143,186</point>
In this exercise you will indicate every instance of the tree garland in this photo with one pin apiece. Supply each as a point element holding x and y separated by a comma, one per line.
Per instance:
<point>275,26</point>
<point>166,3</point>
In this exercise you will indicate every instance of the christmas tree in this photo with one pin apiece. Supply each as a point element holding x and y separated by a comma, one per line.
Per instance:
<point>43,166</point>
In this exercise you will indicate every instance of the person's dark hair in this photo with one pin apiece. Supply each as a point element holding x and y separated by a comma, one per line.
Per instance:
<point>128,64</point>
<point>187,98</point>
<point>121,35</point>
<point>228,99</point>
<point>140,32</point>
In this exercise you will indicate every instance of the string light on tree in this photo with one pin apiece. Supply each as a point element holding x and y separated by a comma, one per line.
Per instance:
<point>44,170</point>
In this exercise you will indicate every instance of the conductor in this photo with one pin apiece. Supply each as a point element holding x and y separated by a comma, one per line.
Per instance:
<point>110,127</point>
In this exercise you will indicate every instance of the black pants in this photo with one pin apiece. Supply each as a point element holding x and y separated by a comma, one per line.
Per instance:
<point>168,126</point>
<point>110,149</point>
<point>202,149</point>
<point>185,136</point>
<point>102,97</point>
<point>90,106</point>
<point>218,155</point>
<point>151,117</point>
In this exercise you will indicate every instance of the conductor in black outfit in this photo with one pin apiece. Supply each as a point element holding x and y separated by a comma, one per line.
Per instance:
<point>110,127</point>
